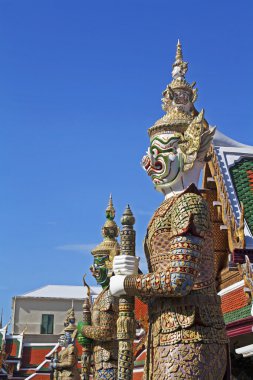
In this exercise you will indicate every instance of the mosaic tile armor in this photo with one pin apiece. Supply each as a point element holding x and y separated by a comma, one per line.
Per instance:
<point>186,322</point>
<point>103,331</point>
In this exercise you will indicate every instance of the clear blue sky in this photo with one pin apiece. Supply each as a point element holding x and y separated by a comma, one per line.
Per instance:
<point>81,82</point>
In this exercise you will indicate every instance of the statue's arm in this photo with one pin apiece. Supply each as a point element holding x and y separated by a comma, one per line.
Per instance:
<point>103,332</point>
<point>177,278</point>
<point>190,222</point>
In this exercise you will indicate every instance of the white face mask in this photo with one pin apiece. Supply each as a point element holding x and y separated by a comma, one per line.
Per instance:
<point>163,162</point>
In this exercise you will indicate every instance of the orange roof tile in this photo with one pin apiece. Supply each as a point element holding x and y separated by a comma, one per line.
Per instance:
<point>234,300</point>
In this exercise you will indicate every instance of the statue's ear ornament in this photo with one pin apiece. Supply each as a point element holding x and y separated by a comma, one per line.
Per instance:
<point>196,141</point>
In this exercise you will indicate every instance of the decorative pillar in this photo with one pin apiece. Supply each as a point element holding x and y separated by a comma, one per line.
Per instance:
<point>126,321</point>
<point>87,347</point>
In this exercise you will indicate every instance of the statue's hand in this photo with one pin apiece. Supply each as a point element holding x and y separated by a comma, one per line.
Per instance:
<point>81,338</point>
<point>125,265</point>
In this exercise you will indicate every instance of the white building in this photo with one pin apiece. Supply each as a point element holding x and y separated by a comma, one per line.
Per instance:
<point>41,313</point>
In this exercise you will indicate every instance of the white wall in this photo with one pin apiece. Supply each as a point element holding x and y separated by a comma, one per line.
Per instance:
<point>28,312</point>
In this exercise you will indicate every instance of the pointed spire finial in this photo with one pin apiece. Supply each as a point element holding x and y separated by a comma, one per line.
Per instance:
<point>179,54</point>
<point>179,67</point>
<point>110,210</point>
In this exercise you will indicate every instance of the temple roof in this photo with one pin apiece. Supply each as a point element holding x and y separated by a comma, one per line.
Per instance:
<point>61,291</point>
<point>222,140</point>
<point>235,162</point>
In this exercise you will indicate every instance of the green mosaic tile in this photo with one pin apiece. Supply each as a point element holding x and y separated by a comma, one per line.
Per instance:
<point>243,185</point>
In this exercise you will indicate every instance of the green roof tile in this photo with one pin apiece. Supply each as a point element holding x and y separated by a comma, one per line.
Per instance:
<point>235,315</point>
<point>243,184</point>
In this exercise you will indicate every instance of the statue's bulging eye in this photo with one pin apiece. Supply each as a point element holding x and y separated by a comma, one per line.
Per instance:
<point>154,152</point>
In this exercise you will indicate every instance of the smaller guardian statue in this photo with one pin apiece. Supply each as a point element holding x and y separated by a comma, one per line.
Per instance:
<point>103,330</point>
<point>65,365</point>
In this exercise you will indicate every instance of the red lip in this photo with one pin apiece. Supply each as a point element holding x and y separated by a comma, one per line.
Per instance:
<point>155,168</point>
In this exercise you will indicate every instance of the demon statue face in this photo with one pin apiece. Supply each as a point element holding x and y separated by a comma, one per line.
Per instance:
<point>163,162</point>
<point>174,159</point>
<point>99,270</point>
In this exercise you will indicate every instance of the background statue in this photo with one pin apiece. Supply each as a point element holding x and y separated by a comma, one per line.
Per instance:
<point>103,329</point>
<point>65,363</point>
<point>186,338</point>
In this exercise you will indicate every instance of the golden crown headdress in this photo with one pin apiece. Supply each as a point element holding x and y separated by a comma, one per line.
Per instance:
<point>69,323</point>
<point>109,246</point>
<point>178,116</point>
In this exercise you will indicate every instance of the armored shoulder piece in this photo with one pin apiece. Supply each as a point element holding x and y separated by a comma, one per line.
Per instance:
<point>190,214</point>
